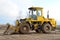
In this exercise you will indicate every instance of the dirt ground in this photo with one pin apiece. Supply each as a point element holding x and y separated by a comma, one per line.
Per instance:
<point>54,35</point>
<point>31,36</point>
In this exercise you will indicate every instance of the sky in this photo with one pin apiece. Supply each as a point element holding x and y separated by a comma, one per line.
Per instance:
<point>10,10</point>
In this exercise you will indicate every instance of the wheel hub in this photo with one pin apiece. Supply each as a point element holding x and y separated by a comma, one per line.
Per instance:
<point>24,28</point>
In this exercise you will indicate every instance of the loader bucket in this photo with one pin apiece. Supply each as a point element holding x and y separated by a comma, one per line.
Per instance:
<point>8,30</point>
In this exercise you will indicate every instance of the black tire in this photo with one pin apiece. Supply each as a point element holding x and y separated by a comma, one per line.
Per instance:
<point>46,28</point>
<point>38,30</point>
<point>22,30</point>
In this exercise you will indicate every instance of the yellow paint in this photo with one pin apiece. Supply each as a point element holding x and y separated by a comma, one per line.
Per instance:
<point>40,18</point>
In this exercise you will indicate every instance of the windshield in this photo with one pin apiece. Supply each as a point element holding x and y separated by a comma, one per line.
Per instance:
<point>32,14</point>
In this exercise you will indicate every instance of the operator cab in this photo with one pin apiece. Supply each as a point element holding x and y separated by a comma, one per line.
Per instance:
<point>34,12</point>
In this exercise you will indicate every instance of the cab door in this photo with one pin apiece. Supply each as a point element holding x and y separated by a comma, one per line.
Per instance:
<point>39,15</point>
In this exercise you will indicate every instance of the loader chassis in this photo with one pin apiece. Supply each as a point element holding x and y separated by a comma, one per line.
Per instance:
<point>36,21</point>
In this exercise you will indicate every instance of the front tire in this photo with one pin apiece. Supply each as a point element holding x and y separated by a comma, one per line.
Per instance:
<point>24,28</point>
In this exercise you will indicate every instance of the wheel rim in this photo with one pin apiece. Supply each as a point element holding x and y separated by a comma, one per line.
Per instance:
<point>47,29</point>
<point>24,28</point>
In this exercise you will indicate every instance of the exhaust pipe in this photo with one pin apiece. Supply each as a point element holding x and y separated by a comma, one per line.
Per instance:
<point>48,14</point>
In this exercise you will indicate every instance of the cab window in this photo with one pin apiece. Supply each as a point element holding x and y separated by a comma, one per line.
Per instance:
<point>39,12</point>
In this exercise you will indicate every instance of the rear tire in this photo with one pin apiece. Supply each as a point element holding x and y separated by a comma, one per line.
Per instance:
<point>46,28</point>
<point>24,28</point>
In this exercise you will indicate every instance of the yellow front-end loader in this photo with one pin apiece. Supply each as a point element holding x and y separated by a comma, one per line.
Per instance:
<point>36,21</point>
